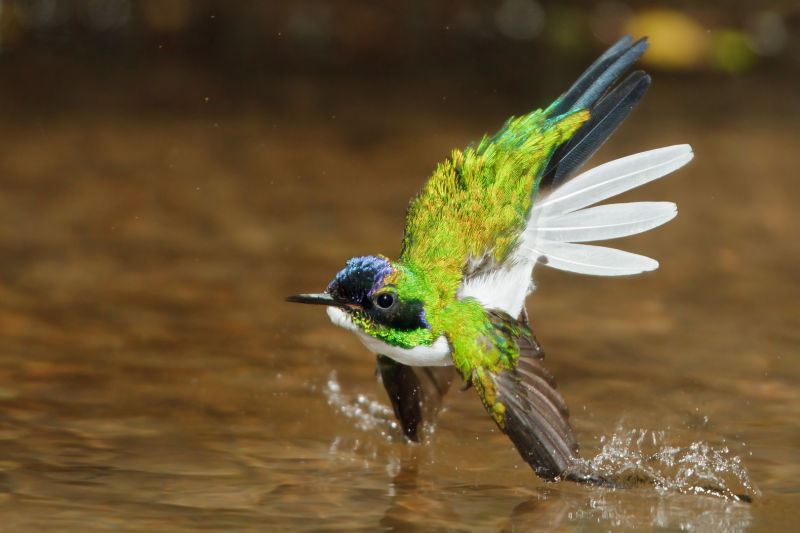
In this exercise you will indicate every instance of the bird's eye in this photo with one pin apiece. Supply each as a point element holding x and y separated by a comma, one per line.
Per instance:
<point>384,300</point>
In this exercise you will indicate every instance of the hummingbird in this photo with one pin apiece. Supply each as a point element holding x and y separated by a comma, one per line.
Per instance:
<point>484,219</point>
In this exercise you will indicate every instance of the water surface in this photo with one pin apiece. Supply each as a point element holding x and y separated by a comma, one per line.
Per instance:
<point>152,378</point>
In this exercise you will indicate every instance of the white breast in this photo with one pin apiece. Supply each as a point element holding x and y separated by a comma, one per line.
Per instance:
<point>437,354</point>
<point>504,288</point>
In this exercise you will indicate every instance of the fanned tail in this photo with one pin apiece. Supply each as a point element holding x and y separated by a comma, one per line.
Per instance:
<point>563,217</point>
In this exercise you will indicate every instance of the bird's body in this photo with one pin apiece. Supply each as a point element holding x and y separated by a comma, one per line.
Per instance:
<point>484,219</point>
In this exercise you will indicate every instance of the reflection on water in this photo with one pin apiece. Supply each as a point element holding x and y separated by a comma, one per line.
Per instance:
<point>614,510</point>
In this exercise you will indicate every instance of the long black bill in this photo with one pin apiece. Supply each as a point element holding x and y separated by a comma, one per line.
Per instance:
<point>317,299</point>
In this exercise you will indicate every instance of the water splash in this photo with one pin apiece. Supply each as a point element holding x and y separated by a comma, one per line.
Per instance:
<point>630,457</point>
<point>366,414</point>
<point>640,457</point>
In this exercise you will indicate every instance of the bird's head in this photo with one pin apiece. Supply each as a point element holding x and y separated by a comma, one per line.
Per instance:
<point>377,297</point>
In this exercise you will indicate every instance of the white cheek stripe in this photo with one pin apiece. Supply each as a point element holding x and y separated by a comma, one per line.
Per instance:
<point>437,354</point>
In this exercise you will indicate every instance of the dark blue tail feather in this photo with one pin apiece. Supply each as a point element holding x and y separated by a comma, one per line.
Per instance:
<point>607,109</point>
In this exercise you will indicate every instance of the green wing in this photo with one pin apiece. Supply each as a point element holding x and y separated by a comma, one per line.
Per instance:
<point>476,202</point>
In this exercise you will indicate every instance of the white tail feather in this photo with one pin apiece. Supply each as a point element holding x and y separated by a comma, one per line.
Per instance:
<point>594,260</point>
<point>613,178</point>
<point>606,221</point>
<point>563,217</point>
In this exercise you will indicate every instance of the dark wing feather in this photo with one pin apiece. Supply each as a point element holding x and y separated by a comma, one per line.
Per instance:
<point>534,416</point>
<point>415,392</point>
<point>607,109</point>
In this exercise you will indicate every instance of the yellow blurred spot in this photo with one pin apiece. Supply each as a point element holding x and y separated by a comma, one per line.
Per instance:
<point>733,51</point>
<point>677,41</point>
